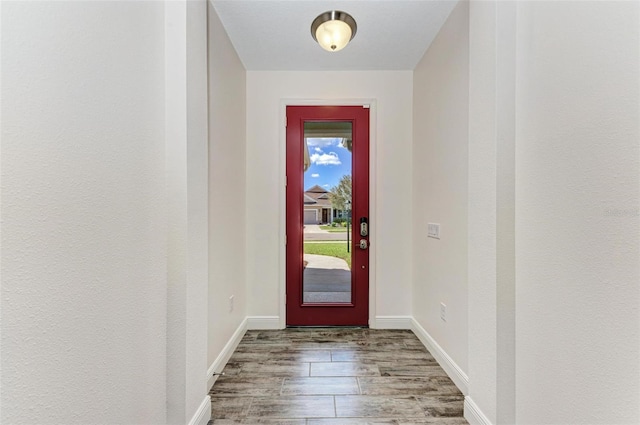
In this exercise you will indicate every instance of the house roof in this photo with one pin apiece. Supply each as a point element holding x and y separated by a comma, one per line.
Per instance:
<point>318,197</point>
<point>316,189</point>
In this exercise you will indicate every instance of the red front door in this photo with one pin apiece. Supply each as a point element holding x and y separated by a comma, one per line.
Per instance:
<point>327,267</point>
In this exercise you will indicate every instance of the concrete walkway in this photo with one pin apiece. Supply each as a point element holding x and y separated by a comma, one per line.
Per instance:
<point>313,228</point>
<point>326,279</point>
<point>313,232</point>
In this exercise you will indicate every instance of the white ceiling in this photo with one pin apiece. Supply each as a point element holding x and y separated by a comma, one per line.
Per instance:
<point>276,35</point>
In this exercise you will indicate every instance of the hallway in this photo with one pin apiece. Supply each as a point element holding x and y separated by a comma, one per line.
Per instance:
<point>144,222</point>
<point>334,376</point>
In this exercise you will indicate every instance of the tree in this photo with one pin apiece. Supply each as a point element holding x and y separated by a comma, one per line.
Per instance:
<point>340,194</point>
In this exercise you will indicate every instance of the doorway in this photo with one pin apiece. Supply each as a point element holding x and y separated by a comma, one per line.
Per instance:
<point>327,216</point>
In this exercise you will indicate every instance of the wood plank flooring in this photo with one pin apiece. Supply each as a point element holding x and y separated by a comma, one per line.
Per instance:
<point>334,376</point>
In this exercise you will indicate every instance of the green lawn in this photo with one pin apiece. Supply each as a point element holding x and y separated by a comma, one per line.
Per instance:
<point>334,229</point>
<point>332,249</point>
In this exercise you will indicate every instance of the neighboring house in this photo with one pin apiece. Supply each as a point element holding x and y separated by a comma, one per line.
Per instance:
<point>317,206</point>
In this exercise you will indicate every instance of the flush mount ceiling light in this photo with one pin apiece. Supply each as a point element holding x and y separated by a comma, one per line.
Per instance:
<point>333,30</point>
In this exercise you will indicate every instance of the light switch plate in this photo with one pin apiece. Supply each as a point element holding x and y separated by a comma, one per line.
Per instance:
<point>433,230</point>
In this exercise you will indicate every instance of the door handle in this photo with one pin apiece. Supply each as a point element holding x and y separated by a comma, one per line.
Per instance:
<point>364,226</point>
<point>363,244</point>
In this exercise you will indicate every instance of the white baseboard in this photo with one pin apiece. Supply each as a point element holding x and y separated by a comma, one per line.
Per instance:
<point>454,371</point>
<point>473,414</point>
<point>222,359</point>
<point>263,322</point>
<point>393,322</point>
<point>203,414</point>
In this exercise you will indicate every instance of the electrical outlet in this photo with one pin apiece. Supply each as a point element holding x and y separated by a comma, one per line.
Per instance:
<point>443,312</point>
<point>230,303</point>
<point>433,230</point>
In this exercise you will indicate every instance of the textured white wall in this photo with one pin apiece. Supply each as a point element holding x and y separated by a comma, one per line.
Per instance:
<point>505,76</point>
<point>440,163</point>
<point>197,401</point>
<point>187,169</point>
<point>482,242</point>
<point>492,210</point>
<point>83,213</point>
<point>578,220</point>
<point>553,212</point>
<point>265,178</point>
<point>227,218</point>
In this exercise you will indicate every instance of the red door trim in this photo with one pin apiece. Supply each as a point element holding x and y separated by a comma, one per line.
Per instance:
<point>349,314</point>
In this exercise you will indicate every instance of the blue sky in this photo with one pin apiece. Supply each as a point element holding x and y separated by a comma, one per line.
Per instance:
<point>329,162</point>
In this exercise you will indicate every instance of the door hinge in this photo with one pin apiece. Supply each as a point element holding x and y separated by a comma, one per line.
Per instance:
<point>366,106</point>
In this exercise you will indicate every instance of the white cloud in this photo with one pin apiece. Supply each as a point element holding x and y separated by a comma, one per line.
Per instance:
<point>326,185</point>
<point>314,175</point>
<point>317,149</point>
<point>322,142</point>
<point>330,158</point>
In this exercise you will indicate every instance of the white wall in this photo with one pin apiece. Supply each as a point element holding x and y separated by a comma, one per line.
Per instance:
<point>505,209</point>
<point>227,218</point>
<point>104,213</point>
<point>491,212</point>
<point>83,213</point>
<point>440,155</point>
<point>554,226</point>
<point>187,188</point>
<point>391,205</point>
<point>578,220</point>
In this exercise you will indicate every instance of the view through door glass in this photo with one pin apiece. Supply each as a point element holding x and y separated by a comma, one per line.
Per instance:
<point>327,226</point>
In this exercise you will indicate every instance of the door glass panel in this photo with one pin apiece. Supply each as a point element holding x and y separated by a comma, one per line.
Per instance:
<point>326,217</point>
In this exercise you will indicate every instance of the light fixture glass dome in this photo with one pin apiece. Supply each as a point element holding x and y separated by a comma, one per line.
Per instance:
<point>333,30</point>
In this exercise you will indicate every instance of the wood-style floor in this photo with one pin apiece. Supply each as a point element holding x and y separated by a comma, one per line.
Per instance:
<point>341,376</point>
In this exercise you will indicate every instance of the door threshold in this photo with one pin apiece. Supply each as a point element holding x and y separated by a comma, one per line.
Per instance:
<point>328,326</point>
